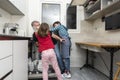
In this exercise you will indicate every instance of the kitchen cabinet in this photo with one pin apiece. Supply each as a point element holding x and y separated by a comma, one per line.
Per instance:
<point>78,2</point>
<point>101,8</point>
<point>13,59</point>
<point>5,66</point>
<point>10,77</point>
<point>20,59</point>
<point>19,4</point>
<point>5,49</point>
<point>6,59</point>
<point>14,7</point>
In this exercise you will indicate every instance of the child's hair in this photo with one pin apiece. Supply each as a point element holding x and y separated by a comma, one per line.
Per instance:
<point>57,22</point>
<point>43,30</point>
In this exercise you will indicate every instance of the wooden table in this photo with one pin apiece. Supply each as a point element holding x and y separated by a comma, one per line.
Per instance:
<point>111,48</point>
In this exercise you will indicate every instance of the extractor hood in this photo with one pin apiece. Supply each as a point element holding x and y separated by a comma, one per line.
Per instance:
<point>78,2</point>
<point>8,6</point>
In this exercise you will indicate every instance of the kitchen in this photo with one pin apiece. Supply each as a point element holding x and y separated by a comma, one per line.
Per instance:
<point>89,28</point>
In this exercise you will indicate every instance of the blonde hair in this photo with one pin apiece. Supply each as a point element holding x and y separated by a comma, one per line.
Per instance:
<point>43,30</point>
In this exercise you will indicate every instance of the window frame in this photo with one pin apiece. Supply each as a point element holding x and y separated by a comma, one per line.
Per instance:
<point>77,30</point>
<point>50,4</point>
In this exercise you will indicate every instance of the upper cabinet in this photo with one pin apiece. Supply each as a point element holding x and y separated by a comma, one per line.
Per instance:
<point>14,7</point>
<point>98,8</point>
<point>78,2</point>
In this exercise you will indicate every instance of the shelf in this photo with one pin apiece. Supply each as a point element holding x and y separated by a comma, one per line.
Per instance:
<point>9,7</point>
<point>108,9</point>
<point>86,2</point>
<point>94,7</point>
<point>78,2</point>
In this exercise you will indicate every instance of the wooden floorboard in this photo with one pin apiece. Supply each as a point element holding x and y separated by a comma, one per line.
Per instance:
<point>83,74</point>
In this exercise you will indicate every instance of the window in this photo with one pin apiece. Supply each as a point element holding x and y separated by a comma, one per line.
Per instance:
<point>71,17</point>
<point>50,13</point>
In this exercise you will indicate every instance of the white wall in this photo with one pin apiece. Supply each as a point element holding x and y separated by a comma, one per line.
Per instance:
<point>5,17</point>
<point>35,11</point>
<point>21,20</point>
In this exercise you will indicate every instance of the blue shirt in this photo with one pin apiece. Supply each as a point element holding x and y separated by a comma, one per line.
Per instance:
<point>62,30</point>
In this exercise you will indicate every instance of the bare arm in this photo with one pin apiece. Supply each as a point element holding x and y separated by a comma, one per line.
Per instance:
<point>57,37</point>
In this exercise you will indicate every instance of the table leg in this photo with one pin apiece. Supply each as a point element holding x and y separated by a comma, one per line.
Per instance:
<point>87,59</point>
<point>111,51</point>
<point>111,65</point>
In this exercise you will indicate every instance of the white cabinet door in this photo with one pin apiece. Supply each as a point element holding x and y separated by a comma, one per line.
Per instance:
<point>10,77</point>
<point>19,4</point>
<point>20,60</point>
<point>5,49</point>
<point>5,66</point>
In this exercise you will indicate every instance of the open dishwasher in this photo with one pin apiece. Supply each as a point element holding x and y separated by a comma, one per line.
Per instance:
<point>35,63</point>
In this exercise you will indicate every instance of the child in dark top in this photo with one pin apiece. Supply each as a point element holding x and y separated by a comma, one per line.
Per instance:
<point>46,48</point>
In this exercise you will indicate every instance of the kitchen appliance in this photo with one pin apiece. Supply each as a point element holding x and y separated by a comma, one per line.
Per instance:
<point>11,28</point>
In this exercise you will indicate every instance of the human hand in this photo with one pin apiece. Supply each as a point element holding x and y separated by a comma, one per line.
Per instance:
<point>61,40</point>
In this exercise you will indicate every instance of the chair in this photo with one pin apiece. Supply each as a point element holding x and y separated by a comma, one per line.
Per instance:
<point>117,72</point>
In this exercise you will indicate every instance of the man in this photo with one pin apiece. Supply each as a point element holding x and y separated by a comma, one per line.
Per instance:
<point>35,54</point>
<point>35,25</point>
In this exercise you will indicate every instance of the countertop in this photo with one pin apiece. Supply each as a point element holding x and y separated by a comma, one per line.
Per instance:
<point>13,37</point>
<point>98,44</point>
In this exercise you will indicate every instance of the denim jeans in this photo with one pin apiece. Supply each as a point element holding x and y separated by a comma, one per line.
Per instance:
<point>59,57</point>
<point>67,64</point>
<point>65,50</point>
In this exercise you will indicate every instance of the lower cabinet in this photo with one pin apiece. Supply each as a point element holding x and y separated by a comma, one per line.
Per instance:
<point>20,60</point>
<point>9,77</point>
<point>5,49</point>
<point>14,60</point>
<point>5,67</point>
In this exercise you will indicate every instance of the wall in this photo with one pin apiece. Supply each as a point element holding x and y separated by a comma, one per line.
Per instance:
<point>94,31</point>
<point>35,11</point>
<point>33,14</point>
<point>21,20</point>
<point>106,37</point>
<point>5,17</point>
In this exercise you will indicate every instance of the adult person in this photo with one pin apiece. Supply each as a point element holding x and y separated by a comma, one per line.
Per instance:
<point>35,54</point>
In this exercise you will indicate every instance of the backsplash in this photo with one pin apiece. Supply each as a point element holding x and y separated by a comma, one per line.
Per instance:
<point>4,18</point>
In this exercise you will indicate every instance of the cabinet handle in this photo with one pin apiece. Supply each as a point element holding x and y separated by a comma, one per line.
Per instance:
<point>6,75</point>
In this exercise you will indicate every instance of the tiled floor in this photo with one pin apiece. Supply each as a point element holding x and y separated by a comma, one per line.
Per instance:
<point>83,74</point>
